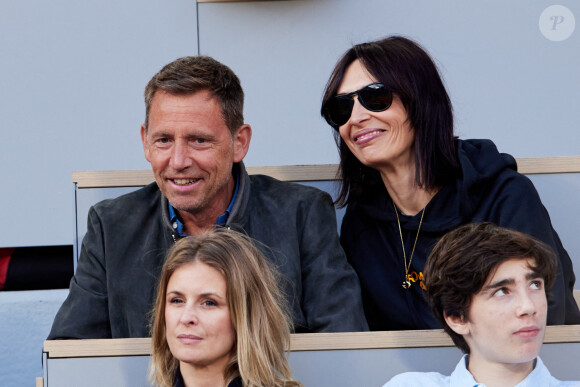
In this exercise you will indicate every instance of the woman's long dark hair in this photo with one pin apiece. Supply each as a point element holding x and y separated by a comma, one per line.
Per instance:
<point>405,67</point>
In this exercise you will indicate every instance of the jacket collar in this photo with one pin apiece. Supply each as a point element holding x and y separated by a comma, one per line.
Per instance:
<point>237,216</point>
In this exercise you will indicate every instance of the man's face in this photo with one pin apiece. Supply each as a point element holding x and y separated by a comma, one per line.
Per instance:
<point>507,318</point>
<point>192,152</point>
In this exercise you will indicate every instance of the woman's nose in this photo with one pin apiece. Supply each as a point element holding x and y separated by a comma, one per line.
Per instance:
<point>189,316</point>
<point>359,112</point>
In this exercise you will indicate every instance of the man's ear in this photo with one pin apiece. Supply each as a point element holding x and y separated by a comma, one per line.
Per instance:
<point>144,141</point>
<point>241,140</point>
<point>458,324</point>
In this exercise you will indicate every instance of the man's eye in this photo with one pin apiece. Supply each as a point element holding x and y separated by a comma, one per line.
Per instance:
<point>200,140</point>
<point>500,292</point>
<point>164,140</point>
<point>536,285</point>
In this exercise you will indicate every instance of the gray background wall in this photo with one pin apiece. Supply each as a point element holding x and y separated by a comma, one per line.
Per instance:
<point>72,75</point>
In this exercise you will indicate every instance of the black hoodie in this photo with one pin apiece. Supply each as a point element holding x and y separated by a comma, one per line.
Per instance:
<point>489,189</point>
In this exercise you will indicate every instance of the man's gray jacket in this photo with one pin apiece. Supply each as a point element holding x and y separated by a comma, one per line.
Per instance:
<point>113,290</point>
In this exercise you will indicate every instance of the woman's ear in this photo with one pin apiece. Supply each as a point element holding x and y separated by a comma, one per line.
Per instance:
<point>458,324</point>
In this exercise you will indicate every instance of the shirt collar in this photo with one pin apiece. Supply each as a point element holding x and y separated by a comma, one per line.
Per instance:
<point>177,224</point>
<point>540,376</point>
<point>223,218</point>
<point>461,377</point>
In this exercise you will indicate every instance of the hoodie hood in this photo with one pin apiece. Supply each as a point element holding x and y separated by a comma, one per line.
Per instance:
<point>481,164</point>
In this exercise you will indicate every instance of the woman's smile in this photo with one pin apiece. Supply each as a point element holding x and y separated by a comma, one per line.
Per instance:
<point>366,135</point>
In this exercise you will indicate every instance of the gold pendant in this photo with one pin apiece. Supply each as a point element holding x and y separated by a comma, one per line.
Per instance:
<point>406,284</point>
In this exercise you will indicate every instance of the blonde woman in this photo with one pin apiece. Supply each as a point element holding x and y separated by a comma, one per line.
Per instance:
<point>219,318</point>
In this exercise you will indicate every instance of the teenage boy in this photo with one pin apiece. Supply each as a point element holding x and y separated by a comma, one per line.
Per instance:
<point>488,287</point>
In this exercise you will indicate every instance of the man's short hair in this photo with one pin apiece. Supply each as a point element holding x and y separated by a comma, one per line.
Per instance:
<point>465,258</point>
<point>191,74</point>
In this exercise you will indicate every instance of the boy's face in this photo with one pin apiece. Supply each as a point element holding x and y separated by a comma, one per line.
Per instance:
<point>507,318</point>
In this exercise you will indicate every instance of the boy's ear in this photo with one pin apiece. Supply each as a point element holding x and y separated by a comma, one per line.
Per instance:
<point>458,324</point>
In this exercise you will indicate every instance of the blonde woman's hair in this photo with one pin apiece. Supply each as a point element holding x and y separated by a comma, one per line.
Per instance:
<point>257,308</point>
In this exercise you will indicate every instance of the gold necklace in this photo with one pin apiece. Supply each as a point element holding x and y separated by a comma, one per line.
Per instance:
<point>406,282</point>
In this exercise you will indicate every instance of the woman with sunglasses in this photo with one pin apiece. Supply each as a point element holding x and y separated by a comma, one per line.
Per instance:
<point>406,181</point>
<point>219,318</point>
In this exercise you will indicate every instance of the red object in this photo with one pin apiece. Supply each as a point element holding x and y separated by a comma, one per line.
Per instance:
<point>5,255</point>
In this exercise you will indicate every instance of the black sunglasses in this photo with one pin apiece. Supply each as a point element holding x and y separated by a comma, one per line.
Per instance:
<point>374,97</point>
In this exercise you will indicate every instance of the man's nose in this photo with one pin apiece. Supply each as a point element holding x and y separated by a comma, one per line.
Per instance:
<point>526,304</point>
<point>180,158</point>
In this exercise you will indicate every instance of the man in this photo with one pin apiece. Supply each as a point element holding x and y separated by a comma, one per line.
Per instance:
<point>488,287</point>
<point>195,138</point>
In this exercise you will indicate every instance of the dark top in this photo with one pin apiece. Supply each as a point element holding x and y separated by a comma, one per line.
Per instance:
<point>178,382</point>
<point>490,190</point>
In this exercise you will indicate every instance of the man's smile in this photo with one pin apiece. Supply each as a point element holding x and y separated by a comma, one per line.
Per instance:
<point>184,181</point>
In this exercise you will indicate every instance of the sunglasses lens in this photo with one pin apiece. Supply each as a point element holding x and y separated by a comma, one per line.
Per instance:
<point>337,110</point>
<point>375,97</point>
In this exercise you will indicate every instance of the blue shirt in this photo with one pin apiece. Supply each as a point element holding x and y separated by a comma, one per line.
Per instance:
<point>221,220</point>
<point>461,377</point>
